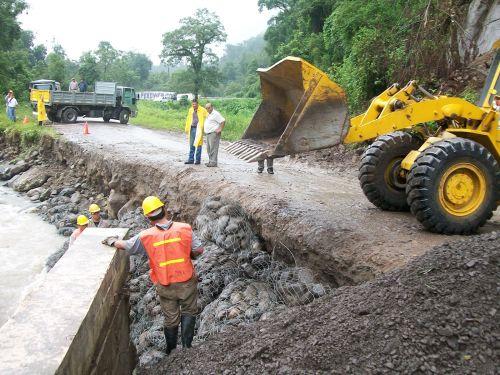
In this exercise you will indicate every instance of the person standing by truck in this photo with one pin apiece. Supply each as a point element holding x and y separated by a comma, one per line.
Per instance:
<point>82,86</point>
<point>11,102</point>
<point>73,85</point>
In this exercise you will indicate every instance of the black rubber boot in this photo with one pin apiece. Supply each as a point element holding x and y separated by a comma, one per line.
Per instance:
<point>260,166</point>
<point>171,337</point>
<point>187,330</point>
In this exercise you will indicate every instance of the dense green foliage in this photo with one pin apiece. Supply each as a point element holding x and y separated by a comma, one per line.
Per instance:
<point>233,76</point>
<point>238,68</point>
<point>172,116</point>
<point>367,45</point>
<point>21,61</point>
<point>191,44</point>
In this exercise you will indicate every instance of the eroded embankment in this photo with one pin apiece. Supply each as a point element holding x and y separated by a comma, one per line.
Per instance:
<point>120,184</point>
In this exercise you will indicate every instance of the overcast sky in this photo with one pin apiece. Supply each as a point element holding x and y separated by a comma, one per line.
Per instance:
<point>132,25</point>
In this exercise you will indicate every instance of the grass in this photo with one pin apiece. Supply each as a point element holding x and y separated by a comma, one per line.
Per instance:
<point>29,134</point>
<point>172,116</point>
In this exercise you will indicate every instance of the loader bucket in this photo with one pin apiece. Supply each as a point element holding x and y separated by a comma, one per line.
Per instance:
<point>301,110</point>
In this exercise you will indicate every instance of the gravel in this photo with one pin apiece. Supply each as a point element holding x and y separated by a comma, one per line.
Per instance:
<point>439,314</point>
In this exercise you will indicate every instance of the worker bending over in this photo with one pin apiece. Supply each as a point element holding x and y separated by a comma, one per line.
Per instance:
<point>82,222</point>
<point>95,214</point>
<point>169,246</point>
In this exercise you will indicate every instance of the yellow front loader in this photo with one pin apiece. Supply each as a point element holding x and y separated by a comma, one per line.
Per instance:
<point>438,156</point>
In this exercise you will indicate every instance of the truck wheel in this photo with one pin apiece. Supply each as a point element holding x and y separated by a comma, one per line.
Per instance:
<point>51,116</point>
<point>69,115</point>
<point>453,186</point>
<point>124,116</point>
<point>380,174</point>
<point>106,118</point>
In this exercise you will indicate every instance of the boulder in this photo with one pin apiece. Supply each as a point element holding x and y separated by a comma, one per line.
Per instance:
<point>8,172</point>
<point>67,191</point>
<point>76,197</point>
<point>116,201</point>
<point>33,178</point>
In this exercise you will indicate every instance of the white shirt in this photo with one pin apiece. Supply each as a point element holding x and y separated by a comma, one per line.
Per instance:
<point>12,102</point>
<point>213,121</point>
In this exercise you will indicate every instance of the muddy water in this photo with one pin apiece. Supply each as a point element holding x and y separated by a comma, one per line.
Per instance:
<point>25,243</point>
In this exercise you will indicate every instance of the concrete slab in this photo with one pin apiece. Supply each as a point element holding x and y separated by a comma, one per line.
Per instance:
<point>37,339</point>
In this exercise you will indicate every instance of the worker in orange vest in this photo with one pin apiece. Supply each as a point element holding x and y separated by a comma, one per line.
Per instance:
<point>82,222</point>
<point>169,246</point>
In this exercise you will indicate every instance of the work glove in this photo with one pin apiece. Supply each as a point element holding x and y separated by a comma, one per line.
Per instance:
<point>110,241</point>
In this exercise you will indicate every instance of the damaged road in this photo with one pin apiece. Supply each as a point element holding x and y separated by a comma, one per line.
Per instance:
<point>307,215</point>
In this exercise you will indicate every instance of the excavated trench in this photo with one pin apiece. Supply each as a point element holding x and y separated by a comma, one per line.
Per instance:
<point>286,254</point>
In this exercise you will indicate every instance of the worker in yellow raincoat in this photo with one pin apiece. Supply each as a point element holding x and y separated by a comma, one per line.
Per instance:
<point>195,120</point>
<point>42,114</point>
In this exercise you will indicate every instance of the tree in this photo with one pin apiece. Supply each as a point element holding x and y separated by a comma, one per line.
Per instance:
<point>139,63</point>
<point>191,43</point>
<point>106,55</point>
<point>88,70</point>
<point>9,26</point>
<point>11,60</point>
<point>56,64</point>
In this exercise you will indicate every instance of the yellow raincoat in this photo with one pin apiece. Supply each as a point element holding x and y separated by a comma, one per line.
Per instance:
<point>202,115</point>
<point>42,114</point>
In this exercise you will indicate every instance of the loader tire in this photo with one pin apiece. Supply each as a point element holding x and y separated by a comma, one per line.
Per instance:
<point>453,186</point>
<point>380,170</point>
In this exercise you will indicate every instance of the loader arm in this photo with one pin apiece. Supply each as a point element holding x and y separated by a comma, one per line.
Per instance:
<point>413,113</point>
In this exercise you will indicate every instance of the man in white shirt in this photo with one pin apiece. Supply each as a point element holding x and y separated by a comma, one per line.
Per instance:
<point>11,102</point>
<point>73,85</point>
<point>213,129</point>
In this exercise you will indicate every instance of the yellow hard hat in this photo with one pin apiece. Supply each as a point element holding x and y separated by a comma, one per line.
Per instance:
<point>82,220</point>
<point>93,208</point>
<point>151,203</point>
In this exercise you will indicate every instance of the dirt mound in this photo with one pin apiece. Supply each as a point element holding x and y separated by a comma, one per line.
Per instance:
<point>437,315</point>
<point>340,158</point>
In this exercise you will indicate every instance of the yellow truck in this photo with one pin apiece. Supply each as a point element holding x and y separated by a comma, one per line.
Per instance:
<point>437,156</point>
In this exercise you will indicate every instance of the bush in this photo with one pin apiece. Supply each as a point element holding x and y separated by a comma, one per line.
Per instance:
<point>172,115</point>
<point>29,134</point>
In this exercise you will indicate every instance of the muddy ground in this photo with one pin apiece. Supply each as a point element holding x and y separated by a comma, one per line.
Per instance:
<point>439,314</point>
<point>313,216</point>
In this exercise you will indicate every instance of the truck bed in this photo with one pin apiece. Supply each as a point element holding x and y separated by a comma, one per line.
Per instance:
<point>83,98</point>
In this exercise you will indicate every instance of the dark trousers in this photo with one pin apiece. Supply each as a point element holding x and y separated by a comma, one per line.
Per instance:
<point>192,148</point>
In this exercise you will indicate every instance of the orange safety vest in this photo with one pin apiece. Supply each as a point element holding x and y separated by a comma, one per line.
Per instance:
<point>169,253</point>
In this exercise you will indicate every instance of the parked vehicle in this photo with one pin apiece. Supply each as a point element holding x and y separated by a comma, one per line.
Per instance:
<point>187,96</point>
<point>109,101</point>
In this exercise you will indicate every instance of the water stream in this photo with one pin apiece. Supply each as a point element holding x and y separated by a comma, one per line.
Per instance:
<point>25,243</point>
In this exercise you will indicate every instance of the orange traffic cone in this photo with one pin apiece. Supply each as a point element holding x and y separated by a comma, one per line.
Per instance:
<point>86,128</point>
<point>26,120</point>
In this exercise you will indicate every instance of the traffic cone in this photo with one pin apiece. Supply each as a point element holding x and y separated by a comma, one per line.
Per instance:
<point>26,120</point>
<point>86,128</point>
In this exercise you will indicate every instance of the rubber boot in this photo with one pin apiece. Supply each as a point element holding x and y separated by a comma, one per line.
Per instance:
<point>187,330</point>
<point>170,338</point>
<point>260,166</point>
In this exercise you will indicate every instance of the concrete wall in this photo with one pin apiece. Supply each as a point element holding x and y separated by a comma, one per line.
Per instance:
<point>76,321</point>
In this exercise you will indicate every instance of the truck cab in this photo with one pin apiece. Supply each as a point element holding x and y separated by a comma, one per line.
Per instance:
<point>42,88</point>
<point>128,98</point>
